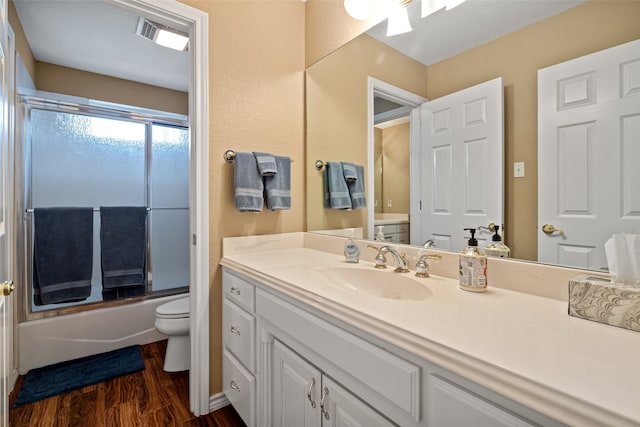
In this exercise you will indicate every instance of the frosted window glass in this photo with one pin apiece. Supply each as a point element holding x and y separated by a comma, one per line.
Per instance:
<point>86,161</point>
<point>169,167</point>
<point>169,248</point>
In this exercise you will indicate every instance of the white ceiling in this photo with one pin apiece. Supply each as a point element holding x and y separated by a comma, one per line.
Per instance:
<point>95,36</point>
<point>474,22</point>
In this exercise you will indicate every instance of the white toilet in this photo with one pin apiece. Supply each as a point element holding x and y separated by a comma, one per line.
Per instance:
<point>172,319</point>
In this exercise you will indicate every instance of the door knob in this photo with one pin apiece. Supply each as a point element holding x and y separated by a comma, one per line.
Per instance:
<point>7,287</point>
<point>550,229</point>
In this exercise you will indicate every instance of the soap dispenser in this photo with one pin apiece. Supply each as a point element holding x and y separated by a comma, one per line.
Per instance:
<point>473,266</point>
<point>380,235</point>
<point>351,251</point>
<point>496,248</point>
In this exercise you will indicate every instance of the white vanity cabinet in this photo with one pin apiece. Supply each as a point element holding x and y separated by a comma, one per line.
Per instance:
<point>239,341</point>
<point>395,233</point>
<point>305,397</point>
<point>292,365</point>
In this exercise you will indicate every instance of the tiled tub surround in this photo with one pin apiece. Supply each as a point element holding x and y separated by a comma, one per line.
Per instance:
<point>516,339</point>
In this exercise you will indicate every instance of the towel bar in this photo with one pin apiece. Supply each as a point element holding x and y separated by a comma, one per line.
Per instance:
<point>230,156</point>
<point>319,164</point>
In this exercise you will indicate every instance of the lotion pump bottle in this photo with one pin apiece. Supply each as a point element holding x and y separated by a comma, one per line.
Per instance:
<point>496,248</point>
<point>473,266</point>
<point>380,235</point>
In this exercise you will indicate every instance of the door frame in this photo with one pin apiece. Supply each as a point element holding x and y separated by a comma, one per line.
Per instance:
<point>393,93</point>
<point>195,23</point>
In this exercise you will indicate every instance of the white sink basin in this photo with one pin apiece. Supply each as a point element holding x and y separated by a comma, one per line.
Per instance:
<point>377,283</point>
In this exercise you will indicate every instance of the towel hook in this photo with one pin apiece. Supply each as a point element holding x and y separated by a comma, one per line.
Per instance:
<point>319,164</point>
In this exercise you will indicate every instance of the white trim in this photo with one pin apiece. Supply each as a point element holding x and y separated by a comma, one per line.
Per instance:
<point>218,401</point>
<point>384,90</point>
<point>195,22</point>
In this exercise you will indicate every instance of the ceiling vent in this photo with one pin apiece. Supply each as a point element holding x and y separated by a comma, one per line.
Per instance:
<point>162,34</point>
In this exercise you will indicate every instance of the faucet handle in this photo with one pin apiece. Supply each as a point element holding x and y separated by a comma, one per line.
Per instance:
<point>422,267</point>
<point>381,260</point>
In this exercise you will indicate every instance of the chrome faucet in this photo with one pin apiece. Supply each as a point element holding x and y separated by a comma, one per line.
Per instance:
<point>429,243</point>
<point>399,258</point>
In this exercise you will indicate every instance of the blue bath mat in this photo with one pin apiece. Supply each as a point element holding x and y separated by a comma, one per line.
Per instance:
<point>63,377</point>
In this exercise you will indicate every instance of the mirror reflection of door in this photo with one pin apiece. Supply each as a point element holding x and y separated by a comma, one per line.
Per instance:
<point>588,151</point>
<point>462,156</point>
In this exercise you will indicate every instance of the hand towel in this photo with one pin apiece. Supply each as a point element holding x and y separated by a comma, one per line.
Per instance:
<point>123,246</point>
<point>278,187</point>
<point>248,183</point>
<point>355,186</point>
<point>336,191</point>
<point>266,163</point>
<point>62,254</point>
<point>349,172</point>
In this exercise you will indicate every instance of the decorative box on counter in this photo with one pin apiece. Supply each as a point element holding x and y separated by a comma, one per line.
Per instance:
<point>597,299</point>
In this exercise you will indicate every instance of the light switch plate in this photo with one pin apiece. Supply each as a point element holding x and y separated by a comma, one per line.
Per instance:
<point>518,170</point>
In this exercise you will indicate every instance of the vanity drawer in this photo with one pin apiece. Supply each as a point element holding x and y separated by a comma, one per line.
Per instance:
<point>383,373</point>
<point>238,290</point>
<point>240,388</point>
<point>402,228</point>
<point>239,333</point>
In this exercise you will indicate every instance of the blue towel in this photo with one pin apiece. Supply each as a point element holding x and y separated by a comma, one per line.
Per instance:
<point>123,245</point>
<point>266,163</point>
<point>62,254</point>
<point>336,191</point>
<point>248,183</point>
<point>356,186</point>
<point>278,187</point>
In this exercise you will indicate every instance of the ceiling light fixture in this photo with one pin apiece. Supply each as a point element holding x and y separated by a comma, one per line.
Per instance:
<point>162,34</point>
<point>358,9</point>
<point>398,21</point>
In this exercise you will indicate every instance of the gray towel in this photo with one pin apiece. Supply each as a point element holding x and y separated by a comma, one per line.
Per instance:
<point>123,245</point>
<point>278,187</point>
<point>349,172</point>
<point>336,191</point>
<point>266,163</point>
<point>356,186</point>
<point>62,254</point>
<point>248,183</point>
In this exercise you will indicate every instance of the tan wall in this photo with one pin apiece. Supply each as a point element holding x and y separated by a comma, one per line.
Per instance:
<point>395,166</point>
<point>22,45</point>
<point>328,27</point>
<point>256,101</point>
<point>585,29</point>
<point>337,119</point>
<point>70,81</point>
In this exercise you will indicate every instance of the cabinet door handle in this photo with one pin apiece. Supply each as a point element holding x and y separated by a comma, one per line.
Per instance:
<point>234,330</point>
<point>234,385</point>
<point>325,393</point>
<point>234,290</point>
<point>313,383</point>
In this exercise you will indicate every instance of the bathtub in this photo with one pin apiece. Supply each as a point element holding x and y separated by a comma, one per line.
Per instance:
<point>56,339</point>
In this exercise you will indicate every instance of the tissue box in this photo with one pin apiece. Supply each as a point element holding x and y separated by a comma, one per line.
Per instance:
<point>596,299</point>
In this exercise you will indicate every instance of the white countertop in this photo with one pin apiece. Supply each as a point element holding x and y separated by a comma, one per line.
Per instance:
<point>523,346</point>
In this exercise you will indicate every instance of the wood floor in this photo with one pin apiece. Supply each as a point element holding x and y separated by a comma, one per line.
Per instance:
<point>147,398</point>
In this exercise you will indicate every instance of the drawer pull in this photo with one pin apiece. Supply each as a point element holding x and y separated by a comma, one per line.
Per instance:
<point>313,383</point>
<point>324,412</point>
<point>234,330</point>
<point>234,385</point>
<point>234,290</point>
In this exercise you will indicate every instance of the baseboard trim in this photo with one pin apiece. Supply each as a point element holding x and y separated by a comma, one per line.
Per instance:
<point>218,401</point>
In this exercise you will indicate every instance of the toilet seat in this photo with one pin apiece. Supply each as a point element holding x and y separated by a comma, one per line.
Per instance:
<point>176,309</point>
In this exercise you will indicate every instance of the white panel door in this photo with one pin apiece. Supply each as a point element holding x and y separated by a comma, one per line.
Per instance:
<point>6,312</point>
<point>462,164</point>
<point>588,154</point>
<point>342,409</point>
<point>296,390</point>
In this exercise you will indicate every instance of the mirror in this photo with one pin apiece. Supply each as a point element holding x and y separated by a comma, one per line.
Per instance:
<point>337,94</point>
